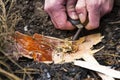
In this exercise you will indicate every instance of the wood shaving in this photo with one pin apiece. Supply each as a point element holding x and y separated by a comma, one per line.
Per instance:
<point>28,46</point>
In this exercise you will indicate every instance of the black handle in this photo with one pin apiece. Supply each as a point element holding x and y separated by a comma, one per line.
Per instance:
<point>74,22</point>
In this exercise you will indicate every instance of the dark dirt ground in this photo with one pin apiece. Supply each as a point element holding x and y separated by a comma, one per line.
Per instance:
<point>37,21</point>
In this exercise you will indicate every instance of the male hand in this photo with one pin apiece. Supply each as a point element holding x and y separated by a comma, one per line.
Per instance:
<point>77,9</point>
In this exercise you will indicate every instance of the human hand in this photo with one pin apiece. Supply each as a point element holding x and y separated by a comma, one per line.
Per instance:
<point>77,9</point>
<point>93,10</point>
<point>57,11</point>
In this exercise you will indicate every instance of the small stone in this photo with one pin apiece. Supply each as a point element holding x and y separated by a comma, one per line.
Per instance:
<point>26,28</point>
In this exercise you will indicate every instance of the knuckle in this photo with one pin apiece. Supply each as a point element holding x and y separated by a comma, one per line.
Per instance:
<point>96,25</point>
<point>79,9</point>
<point>108,9</point>
<point>61,26</point>
<point>93,5</point>
<point>79,6</point>
<point>47,9</point>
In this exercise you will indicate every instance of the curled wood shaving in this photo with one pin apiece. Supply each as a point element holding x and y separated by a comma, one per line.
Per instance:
<point>84,47</point>
<point>54,49</point>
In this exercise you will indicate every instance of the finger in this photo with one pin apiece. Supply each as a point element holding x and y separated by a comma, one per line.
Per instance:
<point>71,9</point>
<point>81,10</point>
<point>94,19</point>
<point>59,19</point>
<point>57,12</point>
<point>93,16</point>
<point>106,7</point>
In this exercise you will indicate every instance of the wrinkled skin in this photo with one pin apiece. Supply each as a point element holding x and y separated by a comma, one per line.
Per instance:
<point>93,10</point>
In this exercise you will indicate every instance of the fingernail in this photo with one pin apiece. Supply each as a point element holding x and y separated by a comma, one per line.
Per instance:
<point>74,15</point>
<point>82,18</point>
